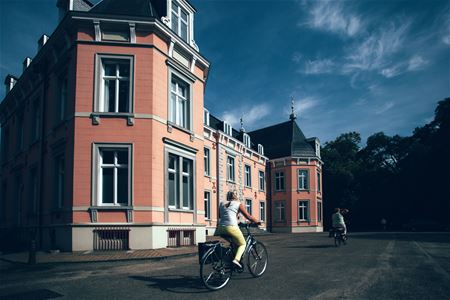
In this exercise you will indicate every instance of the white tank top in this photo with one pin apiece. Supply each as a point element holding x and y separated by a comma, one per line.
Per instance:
<point>228,215</point>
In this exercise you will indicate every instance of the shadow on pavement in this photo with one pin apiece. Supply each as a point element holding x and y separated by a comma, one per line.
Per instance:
<point>34,294</point>
<point>314,246</point>
<point>430,237</point>
<point>174,283</point>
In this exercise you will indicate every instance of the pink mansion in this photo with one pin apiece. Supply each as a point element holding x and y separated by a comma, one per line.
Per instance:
<point>106,143</point>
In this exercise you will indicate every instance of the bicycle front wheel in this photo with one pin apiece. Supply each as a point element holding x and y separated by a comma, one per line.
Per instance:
<point>257,259</point>
<point>215,273</point>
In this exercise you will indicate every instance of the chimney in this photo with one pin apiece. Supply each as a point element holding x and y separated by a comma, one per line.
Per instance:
<point>10,81</point>
<point>42,41</point>
<point>26,63</point>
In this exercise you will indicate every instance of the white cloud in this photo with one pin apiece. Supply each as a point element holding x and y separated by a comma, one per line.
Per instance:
<point>297,57</point>
<point>307,103</point>
<point>250,116</point>
<point>392,71</point>
<point>417,62</point>
<point>323,66</point>
<point>446,39</point>
<point>333,17</point>
<point>384,108</point>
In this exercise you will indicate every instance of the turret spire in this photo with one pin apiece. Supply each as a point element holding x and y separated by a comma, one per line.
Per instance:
<point>293,115</point>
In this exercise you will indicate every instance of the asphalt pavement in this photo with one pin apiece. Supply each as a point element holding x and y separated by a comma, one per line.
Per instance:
<point>301,266</point>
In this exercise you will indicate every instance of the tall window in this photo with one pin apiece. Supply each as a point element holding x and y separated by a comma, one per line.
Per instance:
<point>179,102</point>
<point>227,128</point>
<point>19,133</point>
<point>63,94</point>
<point>230,168</point>
<point>319,211</point>
<point>36,123</point>
<point>260,149</point>
<point>280,213</point>
<point>207,160</point>
<point>60,175</point>
<point>262,211</point>
<point>247,141</point>
<point>116,81</point>
<point>181,182</point>
<point>303,180</point>
<point>34,182</point>
<point>279,181</point>
<point>114,182</point>
<point>206,117</point>
<point>248,176</point>
<point>180,21</point>
<point>303,210</point>
<point>262,181</point>
<point>248,205</point>
<point>207,199</point>
<point>319,187</point>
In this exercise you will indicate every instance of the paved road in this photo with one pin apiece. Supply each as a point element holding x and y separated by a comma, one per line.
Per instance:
<point>301,266</point>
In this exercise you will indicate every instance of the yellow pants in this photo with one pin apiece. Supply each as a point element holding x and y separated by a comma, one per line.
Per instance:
<point>236,235</point>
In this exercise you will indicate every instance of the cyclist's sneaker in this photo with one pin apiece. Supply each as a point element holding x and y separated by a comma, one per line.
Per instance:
<point>237,264</point>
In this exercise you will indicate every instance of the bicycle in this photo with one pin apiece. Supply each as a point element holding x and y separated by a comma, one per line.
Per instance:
<point>339,237</point>
<point>216,265</point>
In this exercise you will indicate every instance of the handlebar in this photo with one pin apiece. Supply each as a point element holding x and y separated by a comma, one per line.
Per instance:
<point>247,225</point>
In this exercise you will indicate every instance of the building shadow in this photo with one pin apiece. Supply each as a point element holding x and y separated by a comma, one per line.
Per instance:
<point>313,246</point>
<point>174,283</point>
<point>40,294</point>
<point>430,237</point>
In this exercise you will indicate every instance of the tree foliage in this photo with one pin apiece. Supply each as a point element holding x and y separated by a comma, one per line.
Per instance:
<point>392,177</point>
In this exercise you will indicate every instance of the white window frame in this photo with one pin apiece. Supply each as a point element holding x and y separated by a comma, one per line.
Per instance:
<point>207,161</point>
<point>174,103</point>
<point>247,141</point>
<point>303,210</point>
<point>177,27</point>
<point>227,128</point>
<point>97,176</point>
<point>280,181</point>
<point>248,205</point>
<point>262,211</point>
<point>302,181</point>
<point>231,167</point>
<point>260,149</point>
<point>100,101</point>
<point>206,117</point>
<point>262,181</point>
<point>191,175</point>
<point>247,176</point>
<point>207,201</point>
<point>319,182</point>
<point>280,211</point>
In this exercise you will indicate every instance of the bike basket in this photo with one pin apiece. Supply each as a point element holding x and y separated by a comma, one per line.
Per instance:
<point>203,247</point>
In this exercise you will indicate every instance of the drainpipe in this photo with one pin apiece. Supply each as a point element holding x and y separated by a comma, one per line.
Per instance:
<point>269,196</point>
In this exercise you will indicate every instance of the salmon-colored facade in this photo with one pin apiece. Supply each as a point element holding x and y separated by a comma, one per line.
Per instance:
<point>106,143</point>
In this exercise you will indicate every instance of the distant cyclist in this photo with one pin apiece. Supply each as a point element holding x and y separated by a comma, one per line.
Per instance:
<point>228,223</point>
<point>338,219</point>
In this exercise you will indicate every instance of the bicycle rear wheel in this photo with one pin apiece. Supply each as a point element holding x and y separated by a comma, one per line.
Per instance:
<point>257,259</point>
<point>214,271</point>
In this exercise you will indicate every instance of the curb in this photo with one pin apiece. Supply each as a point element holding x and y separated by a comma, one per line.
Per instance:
<point>156,258</point>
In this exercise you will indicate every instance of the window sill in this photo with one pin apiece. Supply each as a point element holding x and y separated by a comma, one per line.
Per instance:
<point>176,126</point>
<point>248,187</point>
<point>305,190</point>
<point>231,181</point>
<point>112,207</point>
<point>95,116</point>
<point>173,209</point>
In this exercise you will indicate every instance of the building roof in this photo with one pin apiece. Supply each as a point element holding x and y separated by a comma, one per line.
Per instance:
<point>139,8</point>
<point>282,140</point>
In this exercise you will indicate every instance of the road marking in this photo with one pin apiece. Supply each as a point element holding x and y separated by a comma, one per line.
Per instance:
<point>436,266</point>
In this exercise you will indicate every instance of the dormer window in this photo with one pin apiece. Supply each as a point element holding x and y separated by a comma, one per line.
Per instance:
<point>180,20</point>
<point>206,117</point>
<point>260,149</point>
<point>247,142</point>
<point>317,148</point>
<point>227,128</point>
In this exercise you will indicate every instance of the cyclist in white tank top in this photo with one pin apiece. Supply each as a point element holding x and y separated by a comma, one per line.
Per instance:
<point>228,223</point>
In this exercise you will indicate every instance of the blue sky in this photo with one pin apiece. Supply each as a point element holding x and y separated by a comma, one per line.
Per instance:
<point>364,66</point>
